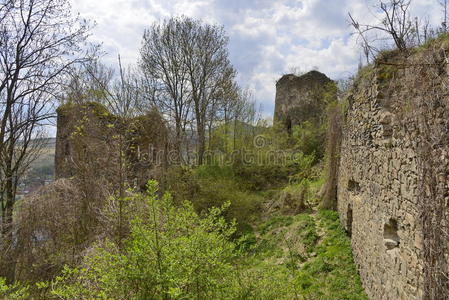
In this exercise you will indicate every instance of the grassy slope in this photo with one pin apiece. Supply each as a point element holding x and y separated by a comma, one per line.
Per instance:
<point>303,256</point>
<point>307,256</point>
<point>284,256</point>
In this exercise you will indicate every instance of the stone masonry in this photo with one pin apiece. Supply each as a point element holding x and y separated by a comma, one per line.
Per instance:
<point>90,139</point>
<point>392,185</point>
<point>299,98</point>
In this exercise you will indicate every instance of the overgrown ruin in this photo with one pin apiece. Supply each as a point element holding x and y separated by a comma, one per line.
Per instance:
<point>98,157</point>
<point>300,98</point>
<point>391,174</point>
<point>392,190</point>
<point>91,139</point>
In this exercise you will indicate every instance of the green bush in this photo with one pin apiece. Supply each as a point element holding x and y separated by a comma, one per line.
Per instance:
<point>212,186</point>
<point>244,206</point>
<point>15,291</point>
<point>309,139</point>
<point>172,253</point>
<point>181,183</point>
<point>258,178</point>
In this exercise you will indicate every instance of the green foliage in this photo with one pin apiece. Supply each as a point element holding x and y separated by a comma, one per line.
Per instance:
<point>210,186</point>
<point>388,54</point>
<point>385,74</point>
<point>172,252</point>
<point>16,291</point>
<point>304,165</point>
<point>308,256</point>
<point>233,136</point>
<point>330,92</point>
<point>309,139</point>
<point>331,274</point>
<point>441,39</point>
<point>363,73</point>
<point>219,185</point>
<point>213,172</point>
<point>181,183</point>
<point>258,178</point>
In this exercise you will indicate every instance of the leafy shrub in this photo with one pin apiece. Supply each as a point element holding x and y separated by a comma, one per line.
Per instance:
<point>309,139</point>
<point>172,252</point>
<point>244,206</point>
<point>15,291</point>
<point>181,183</point>
<point>212,186</point>
<point>258,178</point>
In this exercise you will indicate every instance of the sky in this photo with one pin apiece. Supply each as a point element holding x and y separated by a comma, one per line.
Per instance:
<point>268,38</point>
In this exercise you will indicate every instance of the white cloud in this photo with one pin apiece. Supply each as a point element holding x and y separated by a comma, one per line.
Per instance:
<point>267,37</point>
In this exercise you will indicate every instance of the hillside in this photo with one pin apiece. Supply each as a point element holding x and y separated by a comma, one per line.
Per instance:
<point>41,171</point>
<point>166,182</point>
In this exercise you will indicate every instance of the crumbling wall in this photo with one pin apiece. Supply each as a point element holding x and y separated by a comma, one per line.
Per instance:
<point>78,126</point>
<point>91,140</point>
<point>300,98</point>
<point>393,176</point>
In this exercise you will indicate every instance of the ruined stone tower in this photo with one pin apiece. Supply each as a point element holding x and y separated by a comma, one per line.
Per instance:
<point>90,140</point>
<point>393,167</point>
<point>300,98</point>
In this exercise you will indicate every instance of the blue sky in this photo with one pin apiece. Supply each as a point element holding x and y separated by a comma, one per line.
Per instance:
<point>267,37</point>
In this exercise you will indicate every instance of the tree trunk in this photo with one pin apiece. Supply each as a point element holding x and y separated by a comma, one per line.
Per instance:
<point>178,142</point>
<point>8,248</point>
<point>201,144</point>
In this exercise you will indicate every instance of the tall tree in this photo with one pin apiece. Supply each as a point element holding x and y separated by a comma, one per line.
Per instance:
<point>162,61</point>
<point>205,53</point>
<point>189,61</point>
<point>39,41</point>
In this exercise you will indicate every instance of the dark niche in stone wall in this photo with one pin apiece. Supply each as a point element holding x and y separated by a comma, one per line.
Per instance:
<point>391,237</point>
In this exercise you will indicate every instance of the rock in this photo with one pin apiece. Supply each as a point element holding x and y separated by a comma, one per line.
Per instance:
<point>391,244</point>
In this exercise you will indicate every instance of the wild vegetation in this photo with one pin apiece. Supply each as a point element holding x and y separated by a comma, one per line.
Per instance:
<point>243,210</point>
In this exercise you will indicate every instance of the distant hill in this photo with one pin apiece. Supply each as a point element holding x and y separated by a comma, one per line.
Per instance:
<point>42,170</point>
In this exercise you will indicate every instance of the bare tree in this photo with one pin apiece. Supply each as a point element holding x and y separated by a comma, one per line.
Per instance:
<point>396,24</point>
<point>189,62</point>
<point>39,41</point>
<point>204,48</point>
<point>127,96</point>
<point>224,108</point>
<point>86,82</point>
<point>162,61</point>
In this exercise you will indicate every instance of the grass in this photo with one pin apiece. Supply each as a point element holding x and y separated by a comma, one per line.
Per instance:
<point>331,274</point>
<point>440,39</point>
<point>302,256</point>
<point>312,252</point>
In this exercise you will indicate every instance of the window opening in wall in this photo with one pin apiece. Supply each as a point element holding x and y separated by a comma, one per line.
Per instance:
<point>288,124</point>
<point>349,220</point>
<point>353,186</point>
<point>391,237</point>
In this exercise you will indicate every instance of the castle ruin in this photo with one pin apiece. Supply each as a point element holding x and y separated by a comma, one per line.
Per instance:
<point>300,98</point>
<point>393,188</point>
<point>92,140</point>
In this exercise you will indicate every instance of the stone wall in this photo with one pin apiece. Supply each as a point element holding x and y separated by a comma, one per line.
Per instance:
<point>300,98</point>
<point>393,185</point>
<point>90,139</point>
